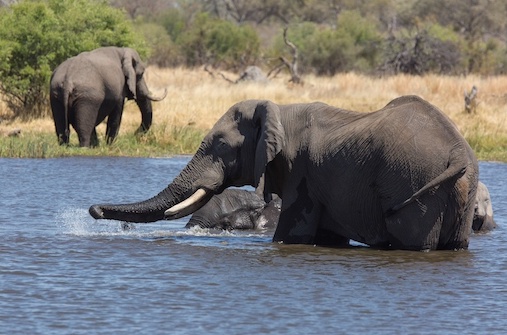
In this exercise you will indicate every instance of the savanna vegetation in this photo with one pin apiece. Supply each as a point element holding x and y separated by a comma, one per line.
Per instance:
<point>196,100</point>
<point>352,54</point>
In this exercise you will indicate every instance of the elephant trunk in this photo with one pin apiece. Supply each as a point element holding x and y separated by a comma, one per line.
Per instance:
<point>164,205</point>
<point>483,223</point>
<point>143,100</point>
<point>144,93</point>
<point>156,98</point>
<point>144,105</point>
<point>145,211</point>
<point>177,200</point>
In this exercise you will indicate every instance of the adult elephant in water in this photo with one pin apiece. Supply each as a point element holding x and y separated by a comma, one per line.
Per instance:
<point>402,177</point>
<point>237,209</point>
<point>93,85</point>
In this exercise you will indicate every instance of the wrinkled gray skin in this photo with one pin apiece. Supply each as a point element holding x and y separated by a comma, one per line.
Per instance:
<point>483,214</point>
<point>93,85</point>
<point>237,209</point>
<point>401,178</point>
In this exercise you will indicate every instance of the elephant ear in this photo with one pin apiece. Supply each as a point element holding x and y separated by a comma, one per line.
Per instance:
<point>270,141</point>
<point>132,67</point>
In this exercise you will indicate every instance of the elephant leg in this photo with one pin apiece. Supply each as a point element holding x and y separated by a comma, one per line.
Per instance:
<point>83,119</point>
<point>59,117</point>
<point>113,122</point>
<point>328,238</point>
<point>299,218</point>
<point>84,136</point>
<point>94,140</point>
<point>325,236</point>
<point>458,218</point>
<point>418,225</point>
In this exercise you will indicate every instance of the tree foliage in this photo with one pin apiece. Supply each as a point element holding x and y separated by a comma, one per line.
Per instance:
<point>367,36</point>
<point>36,36</point>
<point>433,49</point>
<point>218,42</point>
<point>351,45</point>
<point>387,36</point>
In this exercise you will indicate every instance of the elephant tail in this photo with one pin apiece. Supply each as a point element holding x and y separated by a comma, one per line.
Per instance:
<point>66,93</point>
<point>458,164</point>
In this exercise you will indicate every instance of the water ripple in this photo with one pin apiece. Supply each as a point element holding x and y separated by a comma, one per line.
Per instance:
<point>63,272</point>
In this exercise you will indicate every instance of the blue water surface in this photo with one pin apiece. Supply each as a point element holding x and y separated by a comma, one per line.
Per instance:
<point>62,272</point>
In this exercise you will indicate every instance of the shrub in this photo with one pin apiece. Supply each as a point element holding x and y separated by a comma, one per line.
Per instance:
<point>174,22</point>
<point>36,36</point>
<point>164,52</point>
<point>432,49</point>
<point>220,43</point>
<point>350,46</point>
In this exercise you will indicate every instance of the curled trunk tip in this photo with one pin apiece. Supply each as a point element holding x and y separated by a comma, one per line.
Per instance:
<point>96,212</point>
<point>157,98</point>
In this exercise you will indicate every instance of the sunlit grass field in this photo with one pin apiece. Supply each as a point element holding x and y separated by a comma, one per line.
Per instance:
<point>196,99</point>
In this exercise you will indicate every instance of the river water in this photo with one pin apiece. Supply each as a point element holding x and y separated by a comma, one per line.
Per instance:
<point>62,272</point>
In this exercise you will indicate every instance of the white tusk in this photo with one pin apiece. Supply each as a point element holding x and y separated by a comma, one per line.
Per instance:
<point>198,195</point>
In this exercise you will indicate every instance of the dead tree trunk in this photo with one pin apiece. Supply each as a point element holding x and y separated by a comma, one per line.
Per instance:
<point>471,100</point>
<point>292,66</point>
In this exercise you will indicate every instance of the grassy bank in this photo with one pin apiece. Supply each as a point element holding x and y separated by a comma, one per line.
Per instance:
<point>43,145</point>
<point>196,100</point>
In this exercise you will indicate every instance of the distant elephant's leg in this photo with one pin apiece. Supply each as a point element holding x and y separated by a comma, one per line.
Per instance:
<point>59,117</point>
<point>113,123</point>
<point>83,119</point>
<point>84,136</point>
<point>94,140</point>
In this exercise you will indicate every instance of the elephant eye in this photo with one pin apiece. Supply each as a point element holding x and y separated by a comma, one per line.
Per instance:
<point>222,145</point>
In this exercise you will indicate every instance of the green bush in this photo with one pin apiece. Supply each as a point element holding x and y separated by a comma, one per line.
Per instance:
<point>431,48</point>
<point>350,46</point>
<point>329,52</point>
<point>220,43</point>
<point>174,22</point>
<point>164,52</point>
<point>36,36</point>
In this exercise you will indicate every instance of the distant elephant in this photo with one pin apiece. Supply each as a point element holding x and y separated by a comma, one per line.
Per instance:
<point>93,85</point>
<point>237,209</point>
<point>483,214</point>
<point>402,177</point>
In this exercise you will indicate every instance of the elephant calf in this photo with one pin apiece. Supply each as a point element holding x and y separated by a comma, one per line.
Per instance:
<point>483,214</point>
<point>93,85</point>
<point>237,209</point>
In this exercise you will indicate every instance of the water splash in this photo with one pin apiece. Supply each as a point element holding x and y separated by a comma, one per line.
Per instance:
<point>77,222</point>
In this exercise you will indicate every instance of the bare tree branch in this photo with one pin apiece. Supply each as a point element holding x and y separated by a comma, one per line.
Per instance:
<point>212,73</point>
<point>293,66</point>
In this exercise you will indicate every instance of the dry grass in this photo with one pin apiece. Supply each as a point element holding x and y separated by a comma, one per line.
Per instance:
<point>196,98</point>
